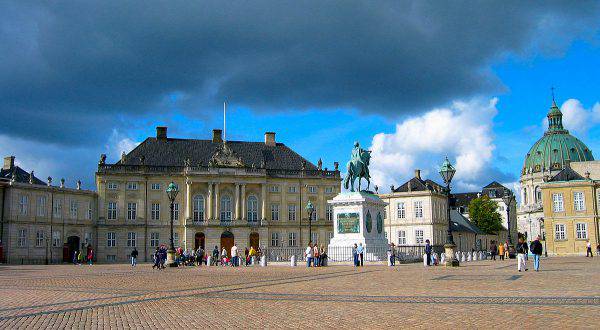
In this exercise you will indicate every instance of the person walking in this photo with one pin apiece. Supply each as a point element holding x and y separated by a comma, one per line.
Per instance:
<point>360,250</point>
<point>75,257</point>
<point>252,255</point>
<point>134,255</point>
<point>308,254</point>
<point>316,256</point>
<point>323,256</point>
<point>428,251</point>
<point>501,251</point>
<point>355,255</point>
<point>90,255</point>
<point>521,251</point>
<point>234,255</point>
<point>390,253</point>
<point>588,252</point>
<point>156,257</point>
<point>506,252</point>
<point>215,256</point>
<point>493,250</point>
<point>536,249</point>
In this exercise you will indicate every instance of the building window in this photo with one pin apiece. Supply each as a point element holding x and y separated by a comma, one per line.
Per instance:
<point>418,209</point>
<point>39,238</point>
<point>401,237</point>
<point>175,211</point>
<point>89,211</point>
<point>538,194</point>
<point>492,194</point>
<point>314,214</point>
<point>155,211</point>
<point>292,239</point>
<point>525,196</point>
<point>225,208</point>
<point>131,236</point>
<point>274,188</point>
<point>314,237</point>
<point>111,258</point>
<point>274,239</point>
<point>329,190</point>
<point>132,186</point>
<point>112,186</point>
<point>57,210</point>
<point>312,189</point>
<point>155,186</point>
<point>578,201</point>
<point>293,189</point>
<point>401,210</point>
<point>198,208</point>
<point>329,212</point>
<point>419,236</point>
<point>385,213</point>
<point>73,209</point>
<point>111,239</point>
<point>131,211</point>
<point>559,232</point>
<point>275,212</point>
<point>87,238</point>
<point>176,239</point>
<point>41,206</point>
<point>112,211</point>
<point>292,212</point>
<point>22,240</point>
<point>557,203</point>
<point>56,239</point>
<point>154,239</point>
<point>581,230</point>
<point>252,208</point>
<point>330,235</point>
<point>23,204</point>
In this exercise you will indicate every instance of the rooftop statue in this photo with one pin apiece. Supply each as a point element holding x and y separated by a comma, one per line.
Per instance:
<point>358,167</point>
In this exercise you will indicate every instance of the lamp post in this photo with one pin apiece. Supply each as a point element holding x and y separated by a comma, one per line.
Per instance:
<point>172,192</point>
<point>543,230</point>
<point>447,172</point>
<point>310,209</point>
<point>508,199</point>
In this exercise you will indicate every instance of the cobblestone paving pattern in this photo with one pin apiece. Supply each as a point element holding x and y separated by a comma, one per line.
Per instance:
<point>484,294</point>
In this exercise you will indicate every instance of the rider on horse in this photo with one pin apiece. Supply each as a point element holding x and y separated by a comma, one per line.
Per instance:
<point>358,167</point>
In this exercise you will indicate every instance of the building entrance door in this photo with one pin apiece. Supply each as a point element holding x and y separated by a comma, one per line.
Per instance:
<point>71,246</point>
<point>199,240</point>
<point>254,238</point>
<point>227,240</point>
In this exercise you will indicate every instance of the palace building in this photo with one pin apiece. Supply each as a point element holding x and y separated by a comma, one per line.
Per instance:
<point>250,193</point>
<point>547,157</point>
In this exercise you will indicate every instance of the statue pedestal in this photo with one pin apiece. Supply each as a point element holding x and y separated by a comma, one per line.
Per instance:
<point>358,219</point>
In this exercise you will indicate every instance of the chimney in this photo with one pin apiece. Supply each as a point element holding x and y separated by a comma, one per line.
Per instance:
<point>9,162</point>
<point>418,174</point>
<point>161,132</point>
<point>217,136</point>
<point>270,139</point>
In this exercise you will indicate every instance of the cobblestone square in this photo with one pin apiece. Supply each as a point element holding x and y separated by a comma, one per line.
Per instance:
<point>484,294</point>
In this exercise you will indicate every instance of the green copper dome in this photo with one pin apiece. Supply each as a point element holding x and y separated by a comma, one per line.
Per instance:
<point>556,148</point>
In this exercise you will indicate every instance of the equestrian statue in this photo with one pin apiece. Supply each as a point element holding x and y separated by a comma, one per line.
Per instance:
<point>358,167</point>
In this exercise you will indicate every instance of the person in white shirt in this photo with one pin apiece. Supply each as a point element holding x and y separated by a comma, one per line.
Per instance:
<point>234,255</point>
<point>308,254</point>
<point>589,250</point>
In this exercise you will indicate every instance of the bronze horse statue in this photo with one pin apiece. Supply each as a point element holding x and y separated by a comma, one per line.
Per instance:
<point>358,167</point>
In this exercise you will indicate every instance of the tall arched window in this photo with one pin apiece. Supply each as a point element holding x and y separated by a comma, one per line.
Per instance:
<point>538,194</point>
<point>226,207</point>
<point>198,208</point>
<point>525,196</point>
<point>252,208</point>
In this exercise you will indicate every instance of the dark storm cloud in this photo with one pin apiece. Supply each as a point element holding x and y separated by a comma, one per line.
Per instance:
<point>70,69</point>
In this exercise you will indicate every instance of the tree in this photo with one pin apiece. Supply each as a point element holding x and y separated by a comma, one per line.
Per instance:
<point>484,213</point>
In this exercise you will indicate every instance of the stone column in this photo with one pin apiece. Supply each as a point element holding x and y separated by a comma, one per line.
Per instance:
<point>243,201</point>
<point>208,201</point>
<point>264,201</point>
<point>217,208</point>
<point>237,201</point>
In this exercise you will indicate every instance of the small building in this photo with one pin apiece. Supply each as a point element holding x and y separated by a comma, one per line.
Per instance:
<point>571,200</point>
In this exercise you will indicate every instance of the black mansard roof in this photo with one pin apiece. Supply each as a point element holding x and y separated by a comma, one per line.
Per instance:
<point>20,175</point>
<point>175,152</point>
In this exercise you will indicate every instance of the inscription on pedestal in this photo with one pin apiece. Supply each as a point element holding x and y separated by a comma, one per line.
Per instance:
<point>348,223</point>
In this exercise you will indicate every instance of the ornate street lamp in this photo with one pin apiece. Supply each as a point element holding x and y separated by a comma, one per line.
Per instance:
<point>447,172</point>
<point>310,209</point>
<point>508,199</point>
<point>172,192</point>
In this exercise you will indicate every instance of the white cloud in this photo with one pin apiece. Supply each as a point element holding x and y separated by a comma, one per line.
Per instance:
<point>117,144</point>
<point>462,131</point>
<point>577,118</point>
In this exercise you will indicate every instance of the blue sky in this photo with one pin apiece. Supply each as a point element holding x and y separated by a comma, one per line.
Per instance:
<point>413,81</point>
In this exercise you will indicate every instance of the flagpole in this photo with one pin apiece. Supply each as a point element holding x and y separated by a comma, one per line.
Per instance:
<point>224,121</point>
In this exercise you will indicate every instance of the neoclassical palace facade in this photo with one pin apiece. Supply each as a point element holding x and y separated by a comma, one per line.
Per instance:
<point>247,193</point>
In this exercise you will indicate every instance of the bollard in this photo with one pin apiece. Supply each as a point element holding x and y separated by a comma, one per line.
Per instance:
<point>293,261</point>
<point>474,256</point>
<point>209,261</point>
<point>263,261</point>
<point>443,258</point>
<point>463,257</point>
<point>424,260</point>
<point>482,256</point>
<point>389,260</point>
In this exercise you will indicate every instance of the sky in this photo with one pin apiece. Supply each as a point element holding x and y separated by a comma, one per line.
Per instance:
<point>412,81</point>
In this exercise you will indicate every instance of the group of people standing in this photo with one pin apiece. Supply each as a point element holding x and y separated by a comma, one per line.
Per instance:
<point>315,255</point>
<point>358,255</point>
<point>522,249</point>
<point>80,257</point>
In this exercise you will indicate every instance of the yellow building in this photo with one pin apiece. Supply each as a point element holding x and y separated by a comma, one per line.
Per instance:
<point>571,208</point>
<point>247,193</point>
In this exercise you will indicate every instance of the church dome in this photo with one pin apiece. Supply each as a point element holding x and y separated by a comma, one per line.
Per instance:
<point>556,148</point>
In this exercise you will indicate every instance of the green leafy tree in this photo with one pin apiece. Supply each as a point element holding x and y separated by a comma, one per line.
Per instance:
<point>484,213</point>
